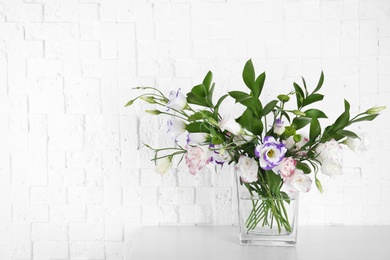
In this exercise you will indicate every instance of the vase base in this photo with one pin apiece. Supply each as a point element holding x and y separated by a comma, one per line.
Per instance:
<point>267,241</point>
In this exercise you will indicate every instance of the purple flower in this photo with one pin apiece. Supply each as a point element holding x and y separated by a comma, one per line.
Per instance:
<point>218,155</point>
<point>270,153</point>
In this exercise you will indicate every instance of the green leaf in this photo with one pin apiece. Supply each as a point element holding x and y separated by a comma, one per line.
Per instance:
<point>200,115</point>
<point>248,121</point>
<point>326,135</point>
<point>301,122</point>
<point>315,113</point>
<point>198,96</point>
<point>257,126</point>
<point>364,118</point>
<point>315,128</point>
<point>312,98</point>
<point>210,95</point>
<point>219,102</point>
<point>258,85</point>
<point>304,85</point>
<point>246,100</point>
<point>299,94</point>
<point>248,74</point>
<point>274,182</point>
<point>197,127</point>
<point>343,119</point>
<point>208,80</point>
<point>216,140</point>
<point>320,82</point>
<point>284,113</point>
<point>239,96</point>
<point>346,133</point>
<point>269,107</point>
<point>303,167</point>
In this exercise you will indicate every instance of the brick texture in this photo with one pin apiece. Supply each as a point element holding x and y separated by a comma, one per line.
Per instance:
<point>76,181</point>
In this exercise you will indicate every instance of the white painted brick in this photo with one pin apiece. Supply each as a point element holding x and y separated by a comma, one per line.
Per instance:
<point>86,231</point>
<point>113,232</point>
<point>150,214</point>
<point>21,232</point>
<point>204,196</point>
<point>21,250</point>
<point>187,214</point>
<point>87,250</point>
<point>107,12</point>
<point>44,68</point>
<point>6,249</point>
<point>49,249</point>
<point>89,11</point>
<point>5,213</point>
<point>114,250</point>
<point>5,233</point>
<point>67,213</point>
<point>113,214</point>
<point>204,214</point>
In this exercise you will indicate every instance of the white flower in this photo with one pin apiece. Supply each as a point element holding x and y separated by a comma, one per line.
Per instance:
<point>291,144</point>
<point>177,100</point>
<point>163,165</point>
<point>330,154</point>
<point>331,168</point>
<point>300,181</point>
<point>196,138</point>
<point>286,168</point>
<point>219,155</point>
<point>196,158</point>
<point>230,125</point>
<point>358,145</point>
<point>248,168</point>
<point>175,127</point>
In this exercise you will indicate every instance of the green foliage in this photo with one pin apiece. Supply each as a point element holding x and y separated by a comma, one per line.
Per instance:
<point>256,122</point>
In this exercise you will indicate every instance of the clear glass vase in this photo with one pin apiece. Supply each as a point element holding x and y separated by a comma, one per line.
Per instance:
<point>270,221</point>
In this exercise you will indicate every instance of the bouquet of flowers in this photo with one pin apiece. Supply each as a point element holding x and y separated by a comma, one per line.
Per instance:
<point>265,144</point>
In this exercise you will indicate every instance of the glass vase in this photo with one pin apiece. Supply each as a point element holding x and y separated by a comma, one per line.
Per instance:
<point>269,221</point>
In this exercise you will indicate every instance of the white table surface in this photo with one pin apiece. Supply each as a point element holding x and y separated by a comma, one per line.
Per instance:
<point>221,242</point>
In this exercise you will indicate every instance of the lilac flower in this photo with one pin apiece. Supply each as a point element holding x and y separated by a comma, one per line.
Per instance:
<point>270,153</point>
<point>177,100</point>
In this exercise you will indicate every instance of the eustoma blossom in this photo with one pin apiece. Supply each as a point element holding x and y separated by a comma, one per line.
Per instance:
<point>177,100</point>
<point>330,154</point>
<point>248,168</point>
<point>175,127</point>
<point>286,168</point>
<point>196,158</point>
<point>270,153</point>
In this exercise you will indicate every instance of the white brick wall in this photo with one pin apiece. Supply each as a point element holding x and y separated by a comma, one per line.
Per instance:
<point>75,180</point>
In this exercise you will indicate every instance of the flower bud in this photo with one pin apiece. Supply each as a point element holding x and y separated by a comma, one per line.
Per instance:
<point>299,113</point>
<point>289,131</point>
<point>153,112</point>
<point>297,138</point>
<point>375,110</point>
<point>283,98</point>
<point>148,99</point>
<point>129,103</point>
